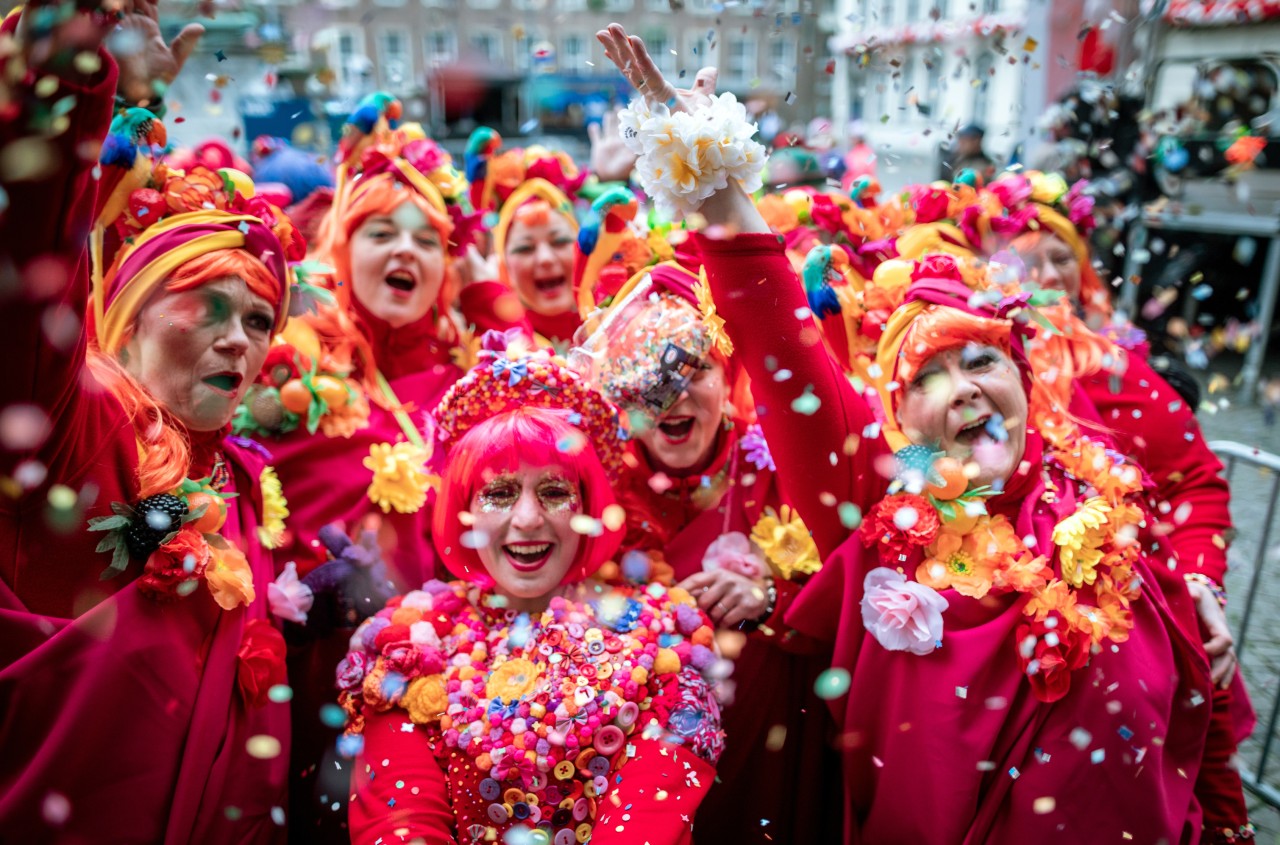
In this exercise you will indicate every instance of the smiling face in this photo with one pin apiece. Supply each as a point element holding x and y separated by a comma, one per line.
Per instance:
<point>539,255</point>
<point>1053,265</point>
<point>397,265</point>
<point>197,350</point>
<point>523,519</point>
<point>970,403</point>
<point>683,441</point>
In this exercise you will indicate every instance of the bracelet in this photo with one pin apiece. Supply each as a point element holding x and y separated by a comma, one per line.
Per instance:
<point>771,593</point>
<point>684,158</point>
<point>1218,592</point>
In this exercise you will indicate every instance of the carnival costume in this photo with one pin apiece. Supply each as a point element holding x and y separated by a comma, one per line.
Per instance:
<point>589,720</point>
<point>137,658</point>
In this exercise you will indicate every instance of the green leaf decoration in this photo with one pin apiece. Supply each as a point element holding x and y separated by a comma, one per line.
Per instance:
<point>1043,321</point>
<point>217,542</point>
<point>947,509</point>
<point>108,543</point>
<point>193,515</point>
<point>119,563</point>
<point>168,538</point>
<point>108,523</point>
<point>121,509</point>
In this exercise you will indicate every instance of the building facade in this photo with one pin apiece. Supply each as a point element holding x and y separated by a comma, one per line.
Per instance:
<point>523,63</point>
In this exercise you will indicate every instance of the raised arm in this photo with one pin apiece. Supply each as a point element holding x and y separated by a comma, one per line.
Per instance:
<point>819,429</point>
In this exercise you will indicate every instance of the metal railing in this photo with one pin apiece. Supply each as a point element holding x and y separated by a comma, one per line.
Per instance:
<point>1231,454</point>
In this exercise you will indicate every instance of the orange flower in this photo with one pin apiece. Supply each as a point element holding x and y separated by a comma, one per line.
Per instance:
<point>780,216</point>
<point>229,577</point>
<point>1023,574</point>
<point>196,189</point>
<point>1115,611</point>
<point>346,420</point>
<point>955,561</point>
<point>1055,597</point>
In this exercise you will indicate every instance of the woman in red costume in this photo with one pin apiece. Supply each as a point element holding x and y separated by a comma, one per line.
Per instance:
<point>703,479</point>
<point>979,631</point>
<point>137,658</point>
<point>523,695</point>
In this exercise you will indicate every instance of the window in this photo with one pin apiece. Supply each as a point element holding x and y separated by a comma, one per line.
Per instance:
<point>395,64</point>
<point>347,58</point>
<point>573,54</point>
<point>741,60</point>
<point>913,11</point>
<point>617,5</point>
<point>572,5</point>
<point>886,13</point>
<point>658,5</point>
<point>487,46</point>
<point>524,51</point>
<point>782,57</point>
<point>982,76</point>
<point>335,4</point>
<point>440,48</point>
<point>660,47</point>
<point>388,3</point>
<point>529,5</point>
<point>440,4</point>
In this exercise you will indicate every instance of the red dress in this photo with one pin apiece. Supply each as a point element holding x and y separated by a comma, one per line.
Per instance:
<point>122,715</point>
<point>774,723</point>
<point>958,730</point>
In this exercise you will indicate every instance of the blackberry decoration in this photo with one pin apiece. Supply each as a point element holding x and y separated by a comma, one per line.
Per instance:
<point>154,518</point>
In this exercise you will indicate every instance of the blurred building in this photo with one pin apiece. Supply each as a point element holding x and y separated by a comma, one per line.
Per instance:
<point>518,64</point>
<point>915,71</point>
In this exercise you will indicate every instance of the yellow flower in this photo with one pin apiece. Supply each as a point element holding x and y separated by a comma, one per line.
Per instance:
<point>1079,536</point>
<point>229,577</point>
<point>400,478</point>
<point>1047,188</point>
<point>513,680</point>
<point>713,322</point>
<point>426,699</point>
<point>786,543</point>
<point>275,509</point>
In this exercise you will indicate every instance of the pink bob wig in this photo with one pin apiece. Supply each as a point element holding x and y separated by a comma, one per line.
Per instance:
<point>537,437</point>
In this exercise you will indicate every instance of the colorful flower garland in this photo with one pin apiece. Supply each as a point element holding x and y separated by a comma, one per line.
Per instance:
<point>546,707</point>
<point>978,554</point>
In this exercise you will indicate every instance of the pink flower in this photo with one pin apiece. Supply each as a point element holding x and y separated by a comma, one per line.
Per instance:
<point>288,597</point>
<point>902,615</point>
<point>734,552</point>
<point>931,204</point>
<point>1013,190</point>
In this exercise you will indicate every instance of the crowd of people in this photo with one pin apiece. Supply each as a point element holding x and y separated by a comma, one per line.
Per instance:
<point>500,503</point>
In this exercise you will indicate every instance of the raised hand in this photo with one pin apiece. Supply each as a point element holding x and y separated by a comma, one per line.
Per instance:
<point>611,159</point>
<point>148,65</point>
<point>632,57</point>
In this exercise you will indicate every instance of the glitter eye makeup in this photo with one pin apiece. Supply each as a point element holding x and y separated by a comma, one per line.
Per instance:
<point>500,494</point>
<point>558,495</point>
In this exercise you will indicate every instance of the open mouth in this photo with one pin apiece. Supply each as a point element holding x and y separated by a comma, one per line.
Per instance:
<point>226,382</point>
<point>974,431</point>
<point>549,285</point>
<point>528,556</point>
<point>676,429</point>
<point>402,281</point>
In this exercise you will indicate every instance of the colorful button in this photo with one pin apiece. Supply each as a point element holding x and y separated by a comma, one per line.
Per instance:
<point>565,837</point>
<point>583,833</point>
<point>595,647</point>
<point>599,766</point>
<point>561,817</point>
<point>564,770</point>
<point>490,789</point>
<point>604,671</point>
<point>628,713</point>
<point>567,804</point>
<point>535,815</point>
<point>613,645</point>
<point>498,814</point>
<point>580,809</point>
<point>513,796</point>
<point>539,837</point>
<point>601,784</point>
<point>584,757</point>
<point>591,789</point>
<point>609,740</point>
<point>520,810</point>
<point>537,780</point>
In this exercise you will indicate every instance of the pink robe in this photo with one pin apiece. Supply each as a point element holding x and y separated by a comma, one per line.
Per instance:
<point>120,716</point>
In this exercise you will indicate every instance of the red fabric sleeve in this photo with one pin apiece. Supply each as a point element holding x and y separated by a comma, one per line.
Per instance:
<point>759,296</point>
<point>654,797</point>
<point>48,218</point>
<point>492,306</point>
<point>383,812</point>
<point>1151,423</point>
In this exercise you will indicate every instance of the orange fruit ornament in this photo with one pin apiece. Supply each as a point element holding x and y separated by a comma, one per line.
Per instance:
<point>214,516</point>
<point>295,396</point>
<point>331,390</point>
<point>954,482</point>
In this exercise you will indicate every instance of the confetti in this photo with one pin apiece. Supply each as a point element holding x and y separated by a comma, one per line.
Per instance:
<point>832,683</point>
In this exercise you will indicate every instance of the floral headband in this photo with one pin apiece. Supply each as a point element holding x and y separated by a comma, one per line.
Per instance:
<point>495,176</point>
<point>499,384</point>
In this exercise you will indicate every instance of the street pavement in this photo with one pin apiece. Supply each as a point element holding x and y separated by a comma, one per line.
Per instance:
<point>1250,492</point>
